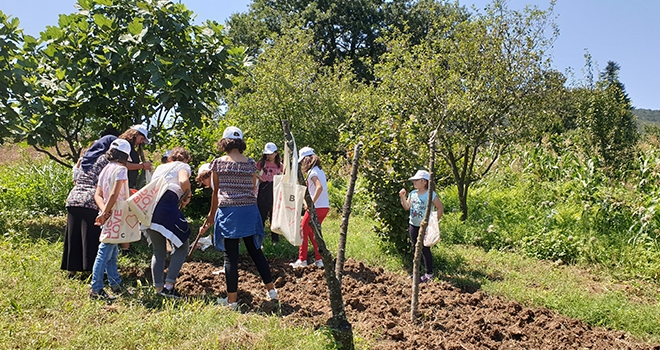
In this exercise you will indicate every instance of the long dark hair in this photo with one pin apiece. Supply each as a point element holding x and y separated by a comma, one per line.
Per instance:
<point>131,136</point>
<point>310,162</point>
<point>262,161</point>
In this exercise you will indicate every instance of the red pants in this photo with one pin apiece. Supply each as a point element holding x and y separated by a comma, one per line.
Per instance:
<point>309,234</point>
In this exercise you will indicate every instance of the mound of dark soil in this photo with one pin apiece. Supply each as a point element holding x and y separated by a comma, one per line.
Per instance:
<point>378,303</point>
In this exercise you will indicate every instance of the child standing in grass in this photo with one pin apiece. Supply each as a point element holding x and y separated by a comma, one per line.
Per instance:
<point>317,186</point>
<point>416,203</point>
<point>269,165</point>
<point>110,189</point>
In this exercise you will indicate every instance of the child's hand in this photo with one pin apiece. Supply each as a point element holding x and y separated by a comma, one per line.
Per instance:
<point>101,219</point>
<point>402,193</point>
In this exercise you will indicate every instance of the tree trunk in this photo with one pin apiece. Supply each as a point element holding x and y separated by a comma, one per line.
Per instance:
<point>462,201</point>
<point>341,329</point>
<point>462,184</point>
<point>346,213</point>
<point>422,231</point>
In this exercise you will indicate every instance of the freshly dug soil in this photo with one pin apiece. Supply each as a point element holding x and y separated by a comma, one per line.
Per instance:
<point>378,304</point>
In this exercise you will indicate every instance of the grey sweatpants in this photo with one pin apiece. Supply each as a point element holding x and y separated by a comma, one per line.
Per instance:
<point>158,242</point>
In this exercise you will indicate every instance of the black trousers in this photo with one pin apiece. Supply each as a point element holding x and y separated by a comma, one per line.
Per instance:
<point>265,205</point>
<point>413,231</point>
<point>231,262</point>
<point>81,239</point>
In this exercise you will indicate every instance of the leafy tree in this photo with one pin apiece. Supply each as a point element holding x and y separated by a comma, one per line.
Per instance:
<point>342,31</point>
<point>288,84</point>
<point>11,83</point>
<point>605,114</point>
<point>478,81</point>
<point>123,62</point>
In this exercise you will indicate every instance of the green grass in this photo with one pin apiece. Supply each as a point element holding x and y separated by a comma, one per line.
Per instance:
<point>43,309</point>
<point>612,283</point>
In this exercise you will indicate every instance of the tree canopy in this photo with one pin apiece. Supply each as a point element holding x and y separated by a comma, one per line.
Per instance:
<point>121,62</point>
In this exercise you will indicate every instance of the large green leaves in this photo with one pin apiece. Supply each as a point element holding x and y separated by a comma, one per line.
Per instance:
<point>123,62</point>
<point>11,73</point>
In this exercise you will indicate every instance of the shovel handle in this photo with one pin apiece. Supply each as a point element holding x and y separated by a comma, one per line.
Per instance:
<point>192,248</point>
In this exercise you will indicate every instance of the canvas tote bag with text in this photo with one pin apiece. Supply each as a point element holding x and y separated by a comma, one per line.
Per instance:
<point>288,197</point>
<point>123,225</point>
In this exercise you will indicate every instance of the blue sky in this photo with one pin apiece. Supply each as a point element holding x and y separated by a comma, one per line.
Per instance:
<point>624,31</point>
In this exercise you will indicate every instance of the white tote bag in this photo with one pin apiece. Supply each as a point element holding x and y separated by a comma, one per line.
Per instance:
<point>288,197</point>
<point>143,202</point>
<point>122,226</point>
<point>432,235</point>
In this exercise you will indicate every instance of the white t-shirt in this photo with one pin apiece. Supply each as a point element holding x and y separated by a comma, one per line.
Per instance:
<point>170,171</point>
<point>323,201</point>
<point>106,176</point>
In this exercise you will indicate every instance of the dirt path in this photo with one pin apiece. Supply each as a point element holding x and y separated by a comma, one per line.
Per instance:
<point>378,303</point>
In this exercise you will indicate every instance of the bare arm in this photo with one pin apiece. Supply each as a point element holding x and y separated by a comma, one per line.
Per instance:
<point>319,188</point>
<point>139,166</point>
<point>107,210</point>
<point>405,201</point>
<point>214,205</point>
<point>98,198</point>
<point>439,206</point>
<point>184,182</point>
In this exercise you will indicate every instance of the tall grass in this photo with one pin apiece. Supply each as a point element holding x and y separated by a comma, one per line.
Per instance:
<point>34,187</point>
<point>566,239</point>
<point>568,212</point>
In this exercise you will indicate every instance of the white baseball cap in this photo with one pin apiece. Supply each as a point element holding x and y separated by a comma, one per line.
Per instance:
<point>421,174</point>
<point>204,167</point>
<point>143,130</point>
<point>123,146</point>
<point>270,148</point>
<point>232,132</point>
<point>304,152</point>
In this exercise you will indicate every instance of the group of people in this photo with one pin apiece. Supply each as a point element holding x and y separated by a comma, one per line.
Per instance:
<point>242,201</point>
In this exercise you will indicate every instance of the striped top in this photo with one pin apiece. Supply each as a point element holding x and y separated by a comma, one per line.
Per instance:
<point>235,182</point>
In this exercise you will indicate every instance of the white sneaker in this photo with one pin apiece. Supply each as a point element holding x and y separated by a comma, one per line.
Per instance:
<point>272,294</point>
<point>318,263</point>
<point>225,302</point>
<point>298,263</point>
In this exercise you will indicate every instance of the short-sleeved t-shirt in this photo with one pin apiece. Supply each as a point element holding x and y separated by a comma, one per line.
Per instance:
<point>105,179</point>
<point>324,200</point>
<point>171,173</point>
<point>269,171</point>
<point>235,182</point>
<point>418,206</point>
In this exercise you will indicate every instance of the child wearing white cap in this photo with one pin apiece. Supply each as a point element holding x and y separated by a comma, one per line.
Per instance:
<point>110,189</point>
<point>268,166</point>
<point>317,186</point>
<point>416,203</point>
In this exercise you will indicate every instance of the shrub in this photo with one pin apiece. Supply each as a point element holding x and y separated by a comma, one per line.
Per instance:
<point>35,187</point>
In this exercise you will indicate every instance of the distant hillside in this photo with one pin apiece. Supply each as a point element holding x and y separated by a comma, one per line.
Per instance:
<point>647,117</point>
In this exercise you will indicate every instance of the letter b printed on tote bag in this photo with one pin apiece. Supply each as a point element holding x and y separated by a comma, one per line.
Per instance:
<point>288,198</point>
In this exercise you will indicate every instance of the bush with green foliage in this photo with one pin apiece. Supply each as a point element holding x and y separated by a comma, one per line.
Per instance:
<point>570,211</point>
<point>32,188</point>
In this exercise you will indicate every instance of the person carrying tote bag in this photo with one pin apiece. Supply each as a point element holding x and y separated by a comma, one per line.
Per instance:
<point>112,189</point>
<point>123,225</point>
<point>288,197</point>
